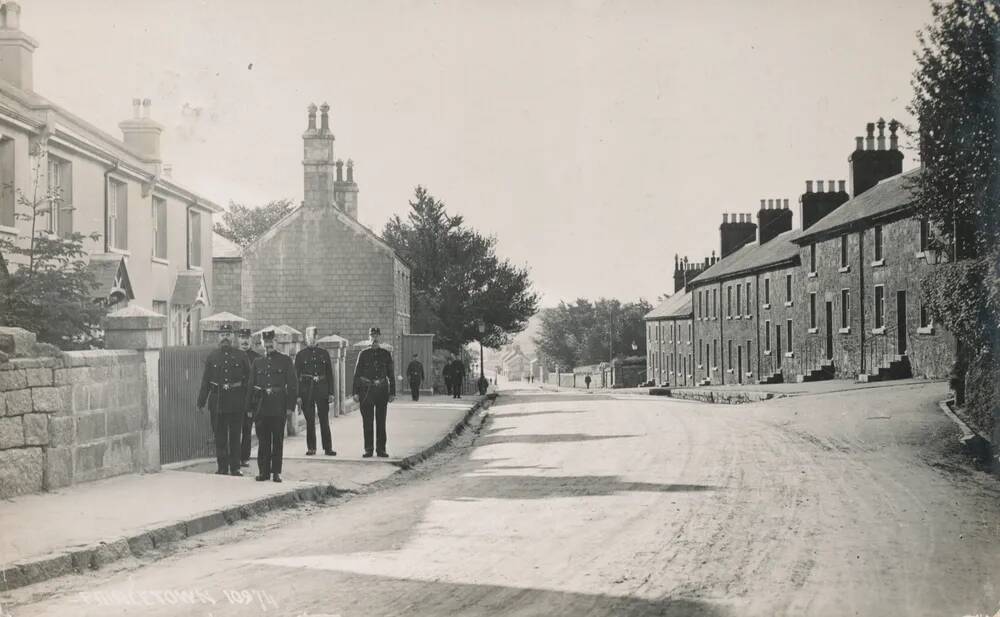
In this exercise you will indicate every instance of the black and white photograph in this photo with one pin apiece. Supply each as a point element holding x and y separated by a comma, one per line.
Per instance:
<point>434,308</point>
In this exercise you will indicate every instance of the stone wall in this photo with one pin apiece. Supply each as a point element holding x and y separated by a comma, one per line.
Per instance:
<point>227,294</point>
<point>72,419</point>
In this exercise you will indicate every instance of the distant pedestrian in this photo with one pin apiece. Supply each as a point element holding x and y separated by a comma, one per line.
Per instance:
<point>224,389</point>
<point>246,345</point>
<point>315,372</point>
<point>415,375</point>
<point>458,376</point>
<point>586,380</point>
<point>374,387</point>
<point>274,390</point>
<point>448,373</point>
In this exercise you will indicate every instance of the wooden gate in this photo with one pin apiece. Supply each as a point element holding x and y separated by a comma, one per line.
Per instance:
<point>185,432</point>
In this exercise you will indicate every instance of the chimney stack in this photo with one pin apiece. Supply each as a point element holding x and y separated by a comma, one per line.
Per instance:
<point>140,133</point>
<point>735,232</point>
<point>324,127</point>
<point>871,166</point>
<point>318,163</point>
<point>16,49</point>
<point>773,221</point>
<point>815,205</point>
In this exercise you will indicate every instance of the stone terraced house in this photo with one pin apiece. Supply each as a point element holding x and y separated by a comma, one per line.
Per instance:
<point>839,297</point>
<point>155,234</point>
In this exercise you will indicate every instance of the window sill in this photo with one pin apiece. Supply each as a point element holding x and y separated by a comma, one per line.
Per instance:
<point>789,354</point>
<point>157,260</point>
<point>878,263</point>
<point>749,374</point>
<point>729,317</point>
<point>844,331</point>
<point>737,317</point>
<point>844,269</point>
<point>729,370</point>
<point>811,275</point>
<point>920,255</point>
<point>124,252</point>
<point>878,330</point>
<point>766,306</point>
<point>701,366</point>
<point>789,303</point>
<point>767,352</point>
<point>925,330</point>
<point>195,269</point>
<point>9,230</point>
<point>748,317</point>
<point>812,330</point>
<point>715,369</point>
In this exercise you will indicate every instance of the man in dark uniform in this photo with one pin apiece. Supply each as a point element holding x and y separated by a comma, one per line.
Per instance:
<point>374,387</point>
<point>458,376</point>
<point>274,388</point>
<point>224,388</point>
<point>315,371</point>
<point>415,375</point>
<point>448,374</point>
<point>246,345</point>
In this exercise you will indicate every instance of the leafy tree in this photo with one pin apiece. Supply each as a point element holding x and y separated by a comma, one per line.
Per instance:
<point>243,225</point>
<point>578,334</point>
<point>957,104</point>
<point>457,278</point>
<point>45,285</point>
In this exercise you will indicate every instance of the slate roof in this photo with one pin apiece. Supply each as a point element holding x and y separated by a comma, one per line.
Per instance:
<point>677,305</point>
<point>186,288</point>
<point>753,257</point>
<point>889,195</point>
<point>106,267</point>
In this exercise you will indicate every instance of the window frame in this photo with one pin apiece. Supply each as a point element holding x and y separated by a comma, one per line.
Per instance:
<point>844,252</point>
<point>116,219</point>
<point>812,258</point>
<point>788,288</point>
<point>193,215</point>
<point>160,227</point>
<point>767,290</point>
<point>877,245</point>
<point>845,308</point>
<point>878,297</point>
<point>812,310</point>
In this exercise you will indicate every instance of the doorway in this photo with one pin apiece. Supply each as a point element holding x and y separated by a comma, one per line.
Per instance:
<point>901,322</point>
<point>777,342</point>
<point>829,330</point>
<point>739,363</point>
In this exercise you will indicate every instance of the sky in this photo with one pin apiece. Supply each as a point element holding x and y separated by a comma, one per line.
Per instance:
<point>595,140</point>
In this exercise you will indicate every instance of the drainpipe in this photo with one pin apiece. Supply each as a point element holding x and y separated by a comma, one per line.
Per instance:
<point>722,344</point>
<point>756,328</point>
<point>861,293</point>
<point>107,175</point>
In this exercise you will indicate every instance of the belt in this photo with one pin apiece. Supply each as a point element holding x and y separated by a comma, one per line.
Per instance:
<point>228,386</point>
<point>313,377</point>
<point>270,390</point>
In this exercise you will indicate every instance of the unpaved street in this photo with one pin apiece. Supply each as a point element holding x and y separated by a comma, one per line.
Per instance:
<point>573,504</point>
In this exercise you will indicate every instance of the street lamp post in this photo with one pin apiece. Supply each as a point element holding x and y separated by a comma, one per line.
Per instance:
<point>483,384</point>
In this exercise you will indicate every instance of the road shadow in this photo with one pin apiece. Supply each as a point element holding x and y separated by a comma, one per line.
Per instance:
<point>490,440</point>
<point>527,398</point>
<point>436,598</point>
<point>481,486</point>
<point>531,414</point>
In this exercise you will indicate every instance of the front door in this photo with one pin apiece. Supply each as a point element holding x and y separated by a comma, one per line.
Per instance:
<point>901,322</point>
<point>777,342</point>
<point>829,330</point>
<point>739,363</point>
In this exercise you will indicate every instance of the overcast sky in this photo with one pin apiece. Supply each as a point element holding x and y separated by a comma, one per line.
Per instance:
<point>594,139</point>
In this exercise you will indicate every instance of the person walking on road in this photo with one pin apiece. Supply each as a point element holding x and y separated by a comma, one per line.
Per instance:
<point>458,376</point>
<point>246,346</point>
<point>586,380</point>
<point>374,388</point>
<point>224,388</point>
<point>415,375</point>
<point>315,371</point>
<point>449,379</point>
<point>274,388</point>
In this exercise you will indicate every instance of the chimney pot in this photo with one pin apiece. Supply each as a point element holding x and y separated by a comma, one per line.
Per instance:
<point>786,204</point>
<point>762,204</point>
<point>350,170</point>
<point>893,138</point>
<point>859,143</point>
<point>809,186</point>
<point>312,116</point>
<point>136,106</point>
<point>725,218</point>
<point>870,140</point>
<point>819,186</point>
<point>831,186</point>
<point>881,134</point>
<point>324,118</point>
<point>340,170</point>
<point>12,16</point>
<point>842,186</point>
<point>770,204</point>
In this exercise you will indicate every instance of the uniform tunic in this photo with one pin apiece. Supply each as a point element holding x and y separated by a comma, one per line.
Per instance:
<point>274,385</point>
<point>315,371</point>
<point>224,381</point>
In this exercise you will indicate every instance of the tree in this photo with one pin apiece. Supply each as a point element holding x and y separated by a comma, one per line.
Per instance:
<point>243,225</point>
<point>957,103</point>
<point>45,284</point>
<point>579,334</point>
<point>457,278</point>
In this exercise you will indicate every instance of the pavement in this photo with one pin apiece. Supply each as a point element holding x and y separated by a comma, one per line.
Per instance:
<point>563,503</point>
<point>89,525</point>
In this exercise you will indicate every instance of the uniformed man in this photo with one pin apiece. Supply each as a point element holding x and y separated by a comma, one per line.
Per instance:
<point>246,345</point>
<point>415,375</point>
<point>458,376</point>
<point>224,388</point>
<point>374,387</point>
<point>274,388</point>
<point>448,372</point>
<point>315,371</point>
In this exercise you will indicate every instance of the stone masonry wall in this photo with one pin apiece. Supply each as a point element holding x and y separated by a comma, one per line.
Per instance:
<point>228,290</point>
<point>71,419</point>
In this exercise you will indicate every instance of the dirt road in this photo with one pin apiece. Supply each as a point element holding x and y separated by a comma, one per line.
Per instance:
<point>573,504</point>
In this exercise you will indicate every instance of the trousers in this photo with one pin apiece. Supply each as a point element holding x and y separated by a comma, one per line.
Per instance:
<point>226,428</point>
<point>374,412</point>
<point>310,407</point>
<point>245,442</point>
<point>270,443</point>
<point>415,389</point>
